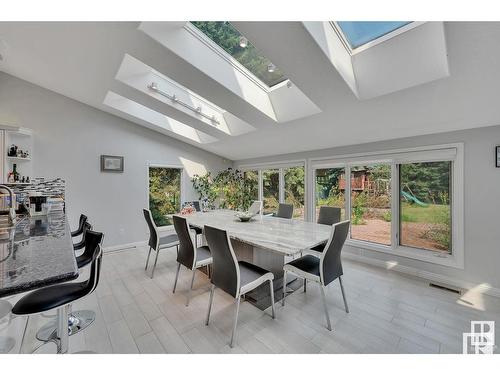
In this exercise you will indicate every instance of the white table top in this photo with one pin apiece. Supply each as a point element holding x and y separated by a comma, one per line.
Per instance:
<point>283,236</point>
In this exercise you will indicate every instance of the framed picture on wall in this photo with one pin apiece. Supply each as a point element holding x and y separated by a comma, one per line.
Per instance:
<point>497,156</point>
<point>110,163</point>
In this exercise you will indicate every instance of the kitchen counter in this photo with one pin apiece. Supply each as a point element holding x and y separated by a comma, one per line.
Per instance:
<point>37,252</point>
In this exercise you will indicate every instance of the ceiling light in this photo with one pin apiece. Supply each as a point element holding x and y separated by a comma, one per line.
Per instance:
<point>271,68</point>
<point>243,42</point>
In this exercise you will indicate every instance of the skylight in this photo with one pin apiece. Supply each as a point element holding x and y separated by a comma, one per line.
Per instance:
<point>237,46</point>
<point>358,33</point>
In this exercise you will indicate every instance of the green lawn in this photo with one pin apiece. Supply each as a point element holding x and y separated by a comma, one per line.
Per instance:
<point>432,214</point>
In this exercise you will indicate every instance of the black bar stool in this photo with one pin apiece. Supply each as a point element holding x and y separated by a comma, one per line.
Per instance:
<point>81,222</point>
<point>62,295</point>
<point>80,245</point>
<point>80,319</point>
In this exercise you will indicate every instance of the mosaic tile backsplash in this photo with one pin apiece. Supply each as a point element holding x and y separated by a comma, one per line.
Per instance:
<point>54,188</point>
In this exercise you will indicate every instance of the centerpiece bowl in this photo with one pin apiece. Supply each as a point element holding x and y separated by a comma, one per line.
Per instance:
<point>244,216</point>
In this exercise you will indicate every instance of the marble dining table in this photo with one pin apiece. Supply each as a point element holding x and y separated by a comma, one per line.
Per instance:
<point>266,241</point>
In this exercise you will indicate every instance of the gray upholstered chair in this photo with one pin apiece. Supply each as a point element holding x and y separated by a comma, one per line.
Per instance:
<point>157,242</point>
<point>327,216</point>
<point>189,255</point>
<point>325,269</point>
<point>233,277</point>
<point>285,211</point>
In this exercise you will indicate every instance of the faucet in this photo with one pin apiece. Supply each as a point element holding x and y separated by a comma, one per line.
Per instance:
<point>12,210</point>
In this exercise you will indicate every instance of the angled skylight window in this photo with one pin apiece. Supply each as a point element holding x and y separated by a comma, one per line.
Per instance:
<point>227,37</point>
<point>358,33</point>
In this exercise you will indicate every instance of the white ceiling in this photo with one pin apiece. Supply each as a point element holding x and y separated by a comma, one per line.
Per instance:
<point>80,60</point>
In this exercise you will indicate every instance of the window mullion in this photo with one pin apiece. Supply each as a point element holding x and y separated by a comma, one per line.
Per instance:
<point>281,186</point>
<point>347,193</point>
<point>261,186</point>
<point>395,217</point>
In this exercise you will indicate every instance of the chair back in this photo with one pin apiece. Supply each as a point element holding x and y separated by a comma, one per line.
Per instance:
<point>330,262</point>
<point>285,211</point>
<point>93,247</point>
<point>83,219</point>
<point>153,231</point>
<point>255,208</point>
<point>225,269</point>
<point>187,251</point>
<point>80,245</point>
<point>329,215</point>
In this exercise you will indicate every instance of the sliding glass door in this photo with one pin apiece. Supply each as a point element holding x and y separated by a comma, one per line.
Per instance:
<point>330,189</point>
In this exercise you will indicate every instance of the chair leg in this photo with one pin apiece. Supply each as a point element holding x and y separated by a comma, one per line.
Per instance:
<point>305,285</point>
<point>237,310</point>
<point>176,276</point>
<point>343,294</point>
<point>154,265</point>
<point>190,288</point>
<point>147,260</point>
<point>272,298</point>
<point>62,330</point>
<point>210,301</point>
<point>284,289</point>
<point>328,324</point>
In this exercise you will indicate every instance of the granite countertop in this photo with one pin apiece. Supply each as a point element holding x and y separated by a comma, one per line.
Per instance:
<point>284,236</point>
<point>36,253</point>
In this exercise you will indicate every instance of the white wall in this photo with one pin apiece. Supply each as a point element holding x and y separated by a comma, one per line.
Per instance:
<point>482,202</point>
<point>69,139</point>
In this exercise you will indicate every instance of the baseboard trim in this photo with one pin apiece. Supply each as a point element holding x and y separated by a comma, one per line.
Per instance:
<point>126,246</point>
<point>426,275</point>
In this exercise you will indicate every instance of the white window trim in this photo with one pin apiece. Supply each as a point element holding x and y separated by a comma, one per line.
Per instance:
<point>163,165</point>
<point>193,30</point>
<point>395,157</point>
<point>280,166</point>
<point>382,39</point>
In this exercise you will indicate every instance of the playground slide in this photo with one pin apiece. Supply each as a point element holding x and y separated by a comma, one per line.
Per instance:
<point>413,199</point>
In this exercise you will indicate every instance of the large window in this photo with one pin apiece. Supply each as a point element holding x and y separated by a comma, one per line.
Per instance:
<point>406,202</point>
<point>253,178</point>
<point>294,178</point>
<point>164,193</point>
<point>371,203</point>
<point>279,184</point>
<point>329,190</point>
<point>237,46</point>
<point>425,212</point>
<point>271,190</point>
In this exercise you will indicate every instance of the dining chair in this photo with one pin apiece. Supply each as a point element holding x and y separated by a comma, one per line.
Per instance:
<point>322,270</point>
<point>189,255</point>
<point>232,276</point>
<point>61,296</point>
<point>327,216</point>
<point>285,211</point>
<point>255,208</point>
<point>81,244</point>
<point>157,242</point>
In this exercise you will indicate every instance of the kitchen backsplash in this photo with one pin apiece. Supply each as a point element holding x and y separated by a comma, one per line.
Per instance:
<point>55,187</point>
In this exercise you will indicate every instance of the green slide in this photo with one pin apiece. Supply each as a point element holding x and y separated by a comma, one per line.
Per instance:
<point>413,199</point>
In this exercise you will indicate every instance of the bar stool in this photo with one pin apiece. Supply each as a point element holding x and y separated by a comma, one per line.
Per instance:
<point>190,256</point>
<point>80,319</point>
<point>233,277</point>
<point>62,295</point>
<point>322,270</point>
<point>80,245</point>
<point>81,222</point>
<point>6,343</point>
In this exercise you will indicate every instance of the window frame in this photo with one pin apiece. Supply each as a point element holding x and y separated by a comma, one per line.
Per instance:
<point>260,167</point>
<point>168,166</point>
<point>197,33</point>
<point>374,42</point>
<point>395,158</point>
